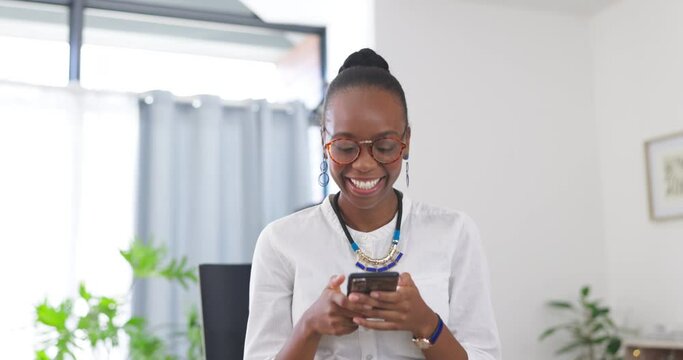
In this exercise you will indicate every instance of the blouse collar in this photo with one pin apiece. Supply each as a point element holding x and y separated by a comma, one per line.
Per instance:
<point>331,217</point>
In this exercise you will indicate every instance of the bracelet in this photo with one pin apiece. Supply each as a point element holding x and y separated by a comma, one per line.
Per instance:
<point>426,343</point>
<point>437,332</point>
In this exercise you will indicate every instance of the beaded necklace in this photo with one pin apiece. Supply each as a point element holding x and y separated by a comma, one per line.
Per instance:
<point>365,262</point>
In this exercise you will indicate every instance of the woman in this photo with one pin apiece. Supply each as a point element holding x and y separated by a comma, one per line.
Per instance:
<point>441,308</point>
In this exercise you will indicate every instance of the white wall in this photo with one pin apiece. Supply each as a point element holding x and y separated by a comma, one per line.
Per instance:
<point>349,23</point>
<point>541,119</point>
<point>349,28</point>
<point>501,106</point>
<point>639,72</point>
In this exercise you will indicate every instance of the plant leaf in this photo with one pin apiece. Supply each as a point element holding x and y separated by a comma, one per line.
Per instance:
<point>560,304</point>
<point>107,306</point>
<point>547,333</point>
<point>597,327</point>
<point>599,340</point>
<point>143,258</point>
<point>569,347</point>
<point>134,324</point>
<point>194,335</point>
<point>585,291</point>
<point>54,316</point>
<point>613,345</point>
<point>83,292</point>
<point>180,272</point>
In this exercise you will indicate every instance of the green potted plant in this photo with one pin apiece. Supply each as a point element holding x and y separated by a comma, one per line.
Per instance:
<point>592,333</point>
<point>103,324</point>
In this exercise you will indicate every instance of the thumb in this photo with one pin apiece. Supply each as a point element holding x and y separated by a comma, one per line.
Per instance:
<point>335,282</point>
<point>405,280</point>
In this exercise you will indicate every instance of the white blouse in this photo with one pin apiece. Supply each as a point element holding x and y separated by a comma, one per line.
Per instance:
<point>295,257</point>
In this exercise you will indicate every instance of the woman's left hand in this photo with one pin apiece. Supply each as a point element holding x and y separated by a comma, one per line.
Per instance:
<point>402,309</point>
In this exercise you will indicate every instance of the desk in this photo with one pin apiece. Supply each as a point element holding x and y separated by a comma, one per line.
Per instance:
<point>645,349</point>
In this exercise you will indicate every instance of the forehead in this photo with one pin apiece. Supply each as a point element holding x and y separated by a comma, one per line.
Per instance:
<point>364,112</point>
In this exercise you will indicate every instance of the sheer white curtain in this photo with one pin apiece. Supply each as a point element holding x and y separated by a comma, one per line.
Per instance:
<point>212,175</point>
<point>67,182</point>
<point>208,174</point>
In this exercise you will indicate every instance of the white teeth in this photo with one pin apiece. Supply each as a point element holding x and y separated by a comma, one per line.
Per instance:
<point>365,185</point>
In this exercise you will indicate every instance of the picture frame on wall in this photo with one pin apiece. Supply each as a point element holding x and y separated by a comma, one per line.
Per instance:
<point>664,166</point>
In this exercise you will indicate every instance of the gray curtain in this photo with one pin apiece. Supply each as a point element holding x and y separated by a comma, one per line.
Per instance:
<point>212,175</point>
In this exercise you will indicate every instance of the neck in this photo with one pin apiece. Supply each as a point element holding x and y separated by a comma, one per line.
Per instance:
<point>368,219</point>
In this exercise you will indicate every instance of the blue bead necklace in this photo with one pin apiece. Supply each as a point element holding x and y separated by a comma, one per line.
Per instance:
<point>365,262</point>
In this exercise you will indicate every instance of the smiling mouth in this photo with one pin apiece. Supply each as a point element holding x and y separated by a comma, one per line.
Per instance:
<point>365,186</point>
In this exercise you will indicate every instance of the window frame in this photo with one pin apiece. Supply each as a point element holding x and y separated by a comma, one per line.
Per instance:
<point>77,13</point>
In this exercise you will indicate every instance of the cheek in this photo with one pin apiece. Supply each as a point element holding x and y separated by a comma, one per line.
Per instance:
<point>394,170</point>
<point>336,170</point>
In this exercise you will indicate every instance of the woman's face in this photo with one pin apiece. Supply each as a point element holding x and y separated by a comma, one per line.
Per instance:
<point>365,113</point>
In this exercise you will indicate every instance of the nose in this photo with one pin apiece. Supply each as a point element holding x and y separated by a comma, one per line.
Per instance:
<point>365,162</point>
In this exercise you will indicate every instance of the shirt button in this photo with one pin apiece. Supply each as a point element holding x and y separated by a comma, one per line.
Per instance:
<point>368,357</point>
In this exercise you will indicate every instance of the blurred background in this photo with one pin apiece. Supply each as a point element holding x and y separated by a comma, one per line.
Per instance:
<point>191,125</point>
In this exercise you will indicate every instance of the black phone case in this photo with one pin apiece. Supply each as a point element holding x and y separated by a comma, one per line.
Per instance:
<point>367,282</point>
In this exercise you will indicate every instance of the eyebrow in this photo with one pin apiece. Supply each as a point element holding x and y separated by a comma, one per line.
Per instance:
<point>350,135</point>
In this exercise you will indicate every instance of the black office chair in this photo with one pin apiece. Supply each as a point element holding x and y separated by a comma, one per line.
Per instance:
<point>225,309</point>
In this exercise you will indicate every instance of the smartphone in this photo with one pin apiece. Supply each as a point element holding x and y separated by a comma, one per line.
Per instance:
<point>367,282</point>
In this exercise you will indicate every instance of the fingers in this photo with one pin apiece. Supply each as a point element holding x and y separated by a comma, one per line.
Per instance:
<point>340,299</point>
<point>344,328</point>
<point>405,290</point>
<point>340,318</point>
<point>397,316</point>
<point>376,325</point>
<point>344,322</point>
<point>388,297</point>
<point>351,308</point>
<point>379,298</point>
<point>333,313</point>
<point>367,301</point>
<point>337,325</point>
<point>405,280</point>
<point>335,282</point>
<point>350,312</point>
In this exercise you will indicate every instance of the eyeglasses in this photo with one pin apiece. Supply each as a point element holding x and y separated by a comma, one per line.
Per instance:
<point>345,151</point>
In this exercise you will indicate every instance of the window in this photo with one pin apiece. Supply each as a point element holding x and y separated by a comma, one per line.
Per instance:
<point>34,43</point>
<point>68,162</point>
<point>68,157</point>
<point>138,53</point>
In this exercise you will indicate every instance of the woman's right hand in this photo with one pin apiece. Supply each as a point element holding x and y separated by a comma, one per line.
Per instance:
<point>333,313</point>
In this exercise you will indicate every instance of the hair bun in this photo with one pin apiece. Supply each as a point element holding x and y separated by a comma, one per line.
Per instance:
<point>365,57</point>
